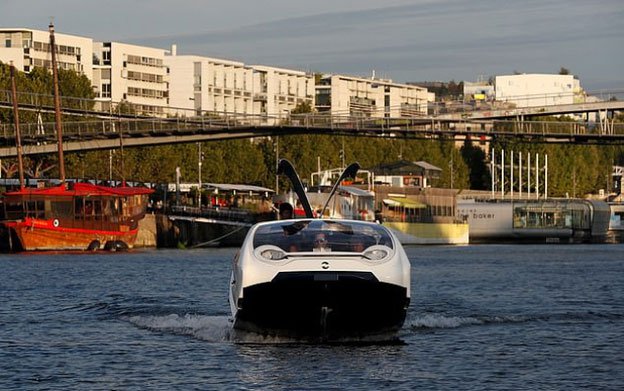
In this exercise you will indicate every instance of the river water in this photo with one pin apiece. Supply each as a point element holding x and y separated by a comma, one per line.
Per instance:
<point>544,317</point>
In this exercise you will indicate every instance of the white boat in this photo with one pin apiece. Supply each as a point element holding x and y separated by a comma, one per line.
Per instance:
<point>320,280</point>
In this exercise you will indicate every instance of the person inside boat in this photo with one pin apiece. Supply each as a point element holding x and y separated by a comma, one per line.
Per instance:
<point>358,246</point>
<point>285,211</point>
<point>320,242</point>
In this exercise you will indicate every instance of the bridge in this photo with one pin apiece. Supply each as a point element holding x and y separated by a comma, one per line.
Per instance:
<point>527,112</point>
<point>91,129</point>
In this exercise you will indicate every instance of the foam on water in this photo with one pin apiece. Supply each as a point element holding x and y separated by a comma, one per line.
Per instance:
<point>219,329</point>
<point>439,321</point>
<point>203,327</point>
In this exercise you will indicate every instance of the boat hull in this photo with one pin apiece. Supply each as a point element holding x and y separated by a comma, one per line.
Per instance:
<point>430,233</point>
<point>43,238</point>
<point>326,306</point>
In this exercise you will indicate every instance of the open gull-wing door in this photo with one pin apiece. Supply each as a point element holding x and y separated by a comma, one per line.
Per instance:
<point>285,167</point>
<point>348,172</point>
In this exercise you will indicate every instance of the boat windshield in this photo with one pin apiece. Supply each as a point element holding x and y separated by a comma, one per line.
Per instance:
<point>322,235</point>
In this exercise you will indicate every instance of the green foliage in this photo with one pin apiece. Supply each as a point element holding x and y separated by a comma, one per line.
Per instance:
<point>475,160</point>
<point>302,108</point>
<point>39,85</point>
<point>448,91</point>
<point>573,170</point>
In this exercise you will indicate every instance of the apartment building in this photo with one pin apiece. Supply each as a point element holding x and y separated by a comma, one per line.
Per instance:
<point>200,85</point>
<point>531,90</point>
<point>278,91</point>
<point>130,73</point>
<point>209,85</point>
<point>377,98</point>
<point>29,48</point>
<point>160,82</point>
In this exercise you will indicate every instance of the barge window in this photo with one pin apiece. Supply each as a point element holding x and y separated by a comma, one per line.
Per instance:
<point>61,209</point>
<point>35,209</point>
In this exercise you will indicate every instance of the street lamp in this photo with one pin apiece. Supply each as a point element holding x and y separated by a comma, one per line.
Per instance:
<point>200,158</point>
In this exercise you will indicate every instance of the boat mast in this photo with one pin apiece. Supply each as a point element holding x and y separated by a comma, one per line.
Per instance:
<point>57,106</point>
<point>18,136</point>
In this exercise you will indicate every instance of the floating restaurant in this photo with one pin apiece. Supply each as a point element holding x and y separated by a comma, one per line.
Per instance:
<point>556,220</point>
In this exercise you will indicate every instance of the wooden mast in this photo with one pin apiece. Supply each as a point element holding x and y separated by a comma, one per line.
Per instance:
<point>57,107</point>
<point>18,136</point>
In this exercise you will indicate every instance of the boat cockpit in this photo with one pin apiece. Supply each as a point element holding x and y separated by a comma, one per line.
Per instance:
<point>321,236</point>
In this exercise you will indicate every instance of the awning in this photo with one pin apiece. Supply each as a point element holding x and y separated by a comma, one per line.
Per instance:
<point>404,203</point>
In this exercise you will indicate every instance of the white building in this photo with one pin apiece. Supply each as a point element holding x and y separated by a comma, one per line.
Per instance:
<point>347,95</point>
<point>130,73</point>
<point>29,48</point>
<point>531,90</point>
<point>278,91</point>
<point>204,85</point>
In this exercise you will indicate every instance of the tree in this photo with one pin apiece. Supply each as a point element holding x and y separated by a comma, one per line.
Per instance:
<point>302,108</point>
<point>478,172</point>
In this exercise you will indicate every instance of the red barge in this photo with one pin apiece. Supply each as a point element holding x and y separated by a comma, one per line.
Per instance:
<point>74,216</point>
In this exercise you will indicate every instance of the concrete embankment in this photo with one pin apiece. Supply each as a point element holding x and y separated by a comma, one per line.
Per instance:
<point>147,232</point>
<point>159,230</point>
<point>156,230</point>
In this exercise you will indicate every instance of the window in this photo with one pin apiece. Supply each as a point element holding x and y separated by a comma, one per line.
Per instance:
<point>106,90</point>
<point>106,57</point>
<point>7,43</point>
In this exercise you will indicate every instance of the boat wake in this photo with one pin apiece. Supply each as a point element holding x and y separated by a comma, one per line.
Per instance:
<point>202,327</point>
<point>440,321</point>
<point>219,329</point>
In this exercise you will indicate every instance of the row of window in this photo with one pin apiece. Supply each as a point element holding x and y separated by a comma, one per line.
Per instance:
<point>147,93</point>
<point>147,61</point>
<point>148,109</point>
<point>148,77</point>
<point>228,92</point>
<point>60,49</point>
<point>68,66</point>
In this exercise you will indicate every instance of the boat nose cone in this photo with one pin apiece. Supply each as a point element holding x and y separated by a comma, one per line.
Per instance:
<point>325,265</point>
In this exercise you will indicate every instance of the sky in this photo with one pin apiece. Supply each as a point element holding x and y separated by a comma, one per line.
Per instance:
<point>402,40</point>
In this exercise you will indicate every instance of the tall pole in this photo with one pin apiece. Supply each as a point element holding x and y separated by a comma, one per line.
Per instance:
<point>199,178</point>
<point>545,176</point>
<point>342,155</point>
<point>121,156</point>
<point>57,106</point>
<point>492,169</point>
<point>18,136</point>
<point>529,175</point>
<point>536,176</point>
<point>520,175</point>
<point>451,168</point>
<point>502,173</point>
<point>276,164</point>
<point>512,175</point>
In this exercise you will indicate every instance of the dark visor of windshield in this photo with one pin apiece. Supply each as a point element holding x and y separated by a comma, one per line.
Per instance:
<point>322,235</point>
